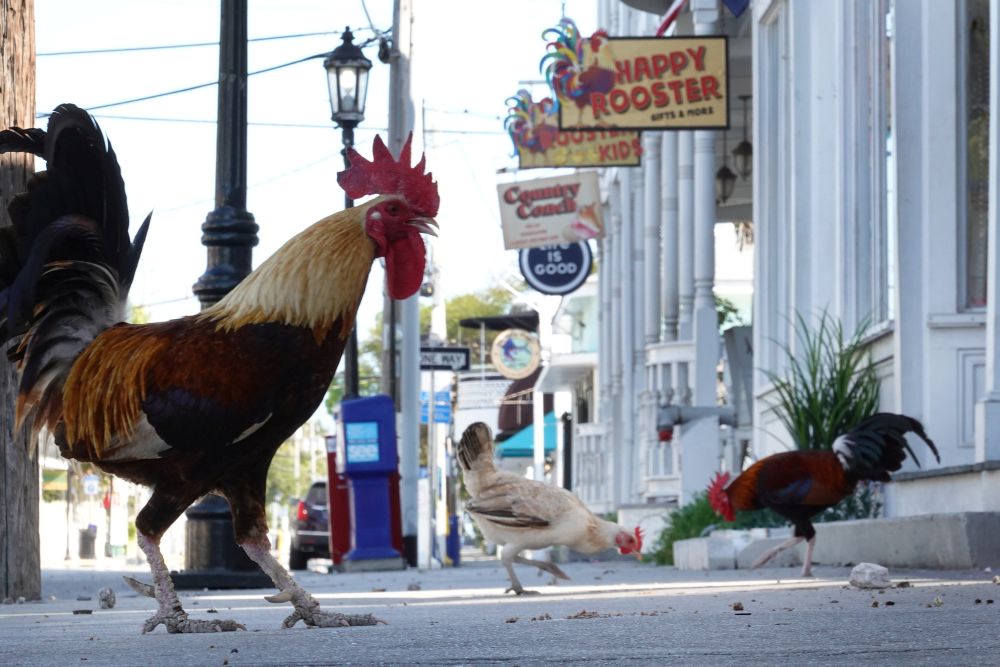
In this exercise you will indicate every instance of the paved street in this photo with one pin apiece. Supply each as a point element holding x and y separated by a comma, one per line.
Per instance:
<point>610,613</point>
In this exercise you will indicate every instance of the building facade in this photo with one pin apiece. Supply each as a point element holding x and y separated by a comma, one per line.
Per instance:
<point>871,199</point>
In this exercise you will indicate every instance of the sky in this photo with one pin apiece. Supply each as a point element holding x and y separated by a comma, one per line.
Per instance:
<point>468,58</point>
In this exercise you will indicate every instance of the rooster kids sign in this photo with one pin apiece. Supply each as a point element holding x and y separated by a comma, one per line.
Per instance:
<point>549,211</point>
<point>661,83</point>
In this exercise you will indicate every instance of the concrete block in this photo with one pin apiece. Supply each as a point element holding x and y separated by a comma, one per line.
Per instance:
<point>705,553</point>
<point>963,540</point>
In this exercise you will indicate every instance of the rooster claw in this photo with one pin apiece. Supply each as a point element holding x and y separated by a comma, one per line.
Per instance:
<point>323,619</point>
<point>520,591</point>
<point>142,589</point>
<point>180,623</point>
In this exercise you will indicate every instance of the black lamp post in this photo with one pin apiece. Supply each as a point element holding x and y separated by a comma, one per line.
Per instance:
<point>347,77</point>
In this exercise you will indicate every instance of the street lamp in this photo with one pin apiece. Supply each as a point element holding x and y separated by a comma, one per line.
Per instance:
<point>347,78</point>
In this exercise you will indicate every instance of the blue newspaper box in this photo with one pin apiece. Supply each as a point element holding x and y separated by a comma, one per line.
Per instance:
<point>370,457</point>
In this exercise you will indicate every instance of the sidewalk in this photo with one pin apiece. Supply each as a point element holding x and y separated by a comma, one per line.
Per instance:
<point>609,613</point>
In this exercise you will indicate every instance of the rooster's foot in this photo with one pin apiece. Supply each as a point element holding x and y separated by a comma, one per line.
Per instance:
<point>178,622</point>
<point>520,591</point>
<point>308,611</point>
<point>325,619</point>
<point>142,589</point>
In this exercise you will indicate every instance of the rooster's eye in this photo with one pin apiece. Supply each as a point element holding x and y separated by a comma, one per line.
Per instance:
<point>392,209</point>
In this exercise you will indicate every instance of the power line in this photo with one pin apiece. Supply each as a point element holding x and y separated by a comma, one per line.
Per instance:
<point>307,126</point>
<point>162,47</point>
<point>206,85</point>
<point>189,88</point>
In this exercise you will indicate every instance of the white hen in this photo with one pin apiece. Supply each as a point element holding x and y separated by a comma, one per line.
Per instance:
<point>520,513</point>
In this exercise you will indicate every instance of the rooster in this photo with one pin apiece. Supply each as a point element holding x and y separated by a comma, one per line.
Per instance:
<point>520,513</point>
<point>198,404</point>
<point>798,485</point>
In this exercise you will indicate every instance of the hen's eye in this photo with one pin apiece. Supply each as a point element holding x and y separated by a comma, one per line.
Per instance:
<point>392,209</point>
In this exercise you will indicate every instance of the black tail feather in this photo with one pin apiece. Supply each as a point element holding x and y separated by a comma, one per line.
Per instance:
<point>878,445</point>
<point>67,261</point>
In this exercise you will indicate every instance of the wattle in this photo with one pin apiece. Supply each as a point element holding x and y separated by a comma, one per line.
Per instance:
<point>404,266</point>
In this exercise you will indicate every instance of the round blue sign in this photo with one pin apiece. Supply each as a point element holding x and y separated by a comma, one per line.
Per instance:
<point>556,269</point>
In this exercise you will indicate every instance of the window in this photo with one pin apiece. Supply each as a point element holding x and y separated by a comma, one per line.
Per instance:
<point>975,162</point>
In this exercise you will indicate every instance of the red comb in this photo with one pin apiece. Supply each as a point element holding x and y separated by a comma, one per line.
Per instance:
<point>384,175</point>
<point>718,498</point>
<point>638,538</point>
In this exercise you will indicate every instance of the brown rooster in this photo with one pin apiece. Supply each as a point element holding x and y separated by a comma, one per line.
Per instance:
<point>521,513</point>
<point>198,404</point>
<point>798,485</point>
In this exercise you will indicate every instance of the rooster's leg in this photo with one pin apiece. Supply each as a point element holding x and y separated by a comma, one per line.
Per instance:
<point>306,607</point>
<point>170,612</point>
<point>508,557</point>
<point>807,563</point>
<point>771,553</point>
<point>551,568</point>
<point>246,499</point>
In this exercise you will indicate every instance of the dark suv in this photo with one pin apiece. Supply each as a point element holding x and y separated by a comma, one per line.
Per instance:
<point>310,528</point>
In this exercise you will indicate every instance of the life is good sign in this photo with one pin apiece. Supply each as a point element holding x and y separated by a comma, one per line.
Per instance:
<point>659,83</point>
<point>549,211</point>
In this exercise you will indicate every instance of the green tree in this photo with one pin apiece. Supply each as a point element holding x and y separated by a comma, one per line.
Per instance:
<point>490,301</point>
<point>282,485</point>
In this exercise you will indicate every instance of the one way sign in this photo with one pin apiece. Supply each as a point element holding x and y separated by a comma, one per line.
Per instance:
<point>444,358</point>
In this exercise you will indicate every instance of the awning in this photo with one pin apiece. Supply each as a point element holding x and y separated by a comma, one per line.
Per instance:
<point>565,371</point>
<point>527,320</point>
<point>522,443</point>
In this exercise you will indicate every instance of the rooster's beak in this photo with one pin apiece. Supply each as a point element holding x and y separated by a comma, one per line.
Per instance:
<point>425,225</point>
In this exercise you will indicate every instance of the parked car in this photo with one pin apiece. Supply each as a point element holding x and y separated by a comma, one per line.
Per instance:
<point>310,528</point>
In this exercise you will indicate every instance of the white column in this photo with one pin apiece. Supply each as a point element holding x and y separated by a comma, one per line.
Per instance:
<point>988,408</point>
<point>668,262</point>
<point>626,431</point>
<point>618,329</point>
<point>651,224</point>
<point>605,320</point>
<point>706,328</point>
<point>685,232</point>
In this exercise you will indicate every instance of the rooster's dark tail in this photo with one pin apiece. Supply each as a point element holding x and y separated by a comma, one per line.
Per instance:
<point>66,262</point>
<point>877,446</point>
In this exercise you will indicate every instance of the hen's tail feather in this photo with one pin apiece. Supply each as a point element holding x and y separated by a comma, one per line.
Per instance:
<point>476,446</point>
<point>67,262</point>
<point>878,446</point>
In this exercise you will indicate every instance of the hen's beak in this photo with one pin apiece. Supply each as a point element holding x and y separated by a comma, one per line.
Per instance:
<point>637,554</point>
<point>425,225</point>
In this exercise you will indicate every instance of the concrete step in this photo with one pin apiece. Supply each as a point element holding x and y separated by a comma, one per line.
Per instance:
<point>963,540</point>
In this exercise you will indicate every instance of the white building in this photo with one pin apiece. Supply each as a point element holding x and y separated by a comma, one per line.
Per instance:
<point>872,196</point>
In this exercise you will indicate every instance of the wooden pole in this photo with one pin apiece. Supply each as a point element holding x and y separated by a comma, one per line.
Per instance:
<point>20,570</point>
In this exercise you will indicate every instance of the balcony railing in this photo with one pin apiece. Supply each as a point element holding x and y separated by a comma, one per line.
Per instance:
<point>668,368</point>
<point>591,467</point>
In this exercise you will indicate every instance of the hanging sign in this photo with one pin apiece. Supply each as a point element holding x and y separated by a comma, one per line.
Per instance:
<point>550,210</point>
<point>638,83</point>
<point>516,353</point>
<point>556,269</point>
<point>538,142</point>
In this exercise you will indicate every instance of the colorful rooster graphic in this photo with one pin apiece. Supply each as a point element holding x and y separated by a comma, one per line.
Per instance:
<point>565,65</point>
<point>529,123</point>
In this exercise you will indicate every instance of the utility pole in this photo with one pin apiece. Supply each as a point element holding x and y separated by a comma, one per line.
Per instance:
<point>401,120</point>
<point>20,560</point>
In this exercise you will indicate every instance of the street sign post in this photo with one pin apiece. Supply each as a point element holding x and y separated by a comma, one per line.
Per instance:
<point>444,358</point>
